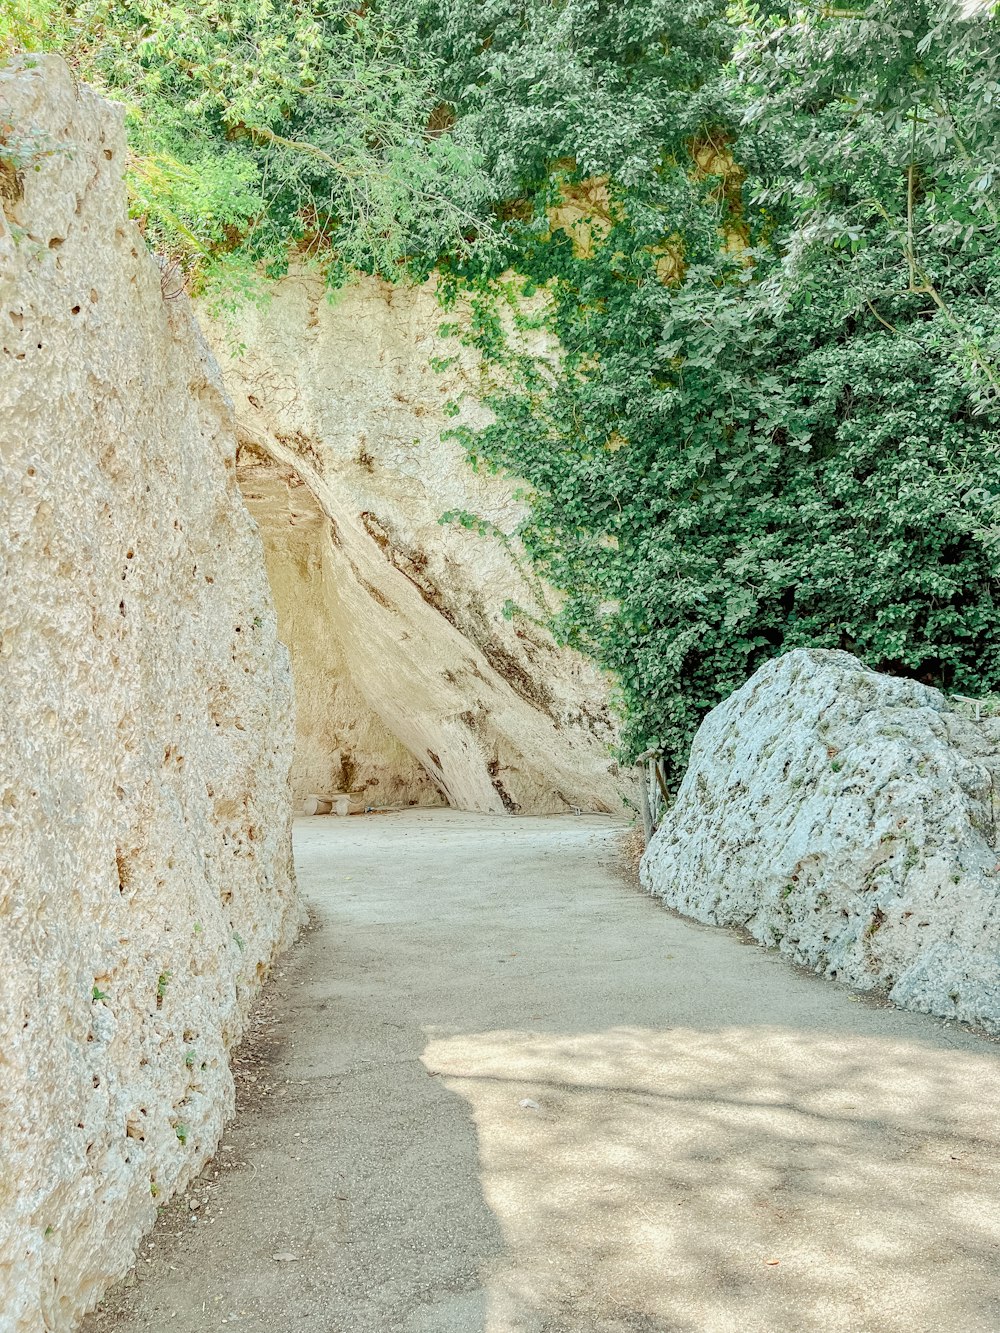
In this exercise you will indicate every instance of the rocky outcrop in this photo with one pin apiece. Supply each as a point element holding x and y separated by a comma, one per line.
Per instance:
<point>486,744</point>
<point>145,880</point>
<point>849,819</point>
<point>434,629</point>
<point>342,744</point>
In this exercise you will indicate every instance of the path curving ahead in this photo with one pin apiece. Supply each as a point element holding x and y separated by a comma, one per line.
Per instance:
<point>507,1094</point>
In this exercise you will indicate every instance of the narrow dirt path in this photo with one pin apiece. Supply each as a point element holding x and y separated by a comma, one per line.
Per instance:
<point>506,1094</point>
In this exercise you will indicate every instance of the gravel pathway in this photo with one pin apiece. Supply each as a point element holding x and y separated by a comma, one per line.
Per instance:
<point>495,1090</point>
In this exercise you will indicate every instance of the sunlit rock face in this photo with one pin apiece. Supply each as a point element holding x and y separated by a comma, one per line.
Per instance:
<point>342,743</point>
<point>848,818</point>
<point>145,878</point>
<point>422,667</point>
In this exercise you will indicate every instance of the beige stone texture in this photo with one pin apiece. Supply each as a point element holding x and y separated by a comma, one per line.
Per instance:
<point>145,877</point>
<point>584,213</point>
<point>342,743</point>
<point>340,417</point>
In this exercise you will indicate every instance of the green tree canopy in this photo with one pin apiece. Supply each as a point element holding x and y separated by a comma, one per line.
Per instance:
<point>264,128</point>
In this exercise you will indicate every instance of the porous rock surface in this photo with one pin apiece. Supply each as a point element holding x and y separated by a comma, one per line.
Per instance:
<point>849,818</point>
<point>145,877</point>
<point>409,675</point>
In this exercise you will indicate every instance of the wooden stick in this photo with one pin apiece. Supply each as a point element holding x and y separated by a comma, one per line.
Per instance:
<point>647,817</point>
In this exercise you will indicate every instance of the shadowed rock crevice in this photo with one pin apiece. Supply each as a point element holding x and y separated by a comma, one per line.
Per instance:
<point>385,669</point>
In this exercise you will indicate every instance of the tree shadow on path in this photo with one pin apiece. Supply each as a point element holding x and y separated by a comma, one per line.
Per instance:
<point>758,1179</point>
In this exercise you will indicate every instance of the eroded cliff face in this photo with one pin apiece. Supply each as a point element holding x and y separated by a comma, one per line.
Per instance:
<point>145,880</point>
<point>338,401</point>
<point>342,743</point>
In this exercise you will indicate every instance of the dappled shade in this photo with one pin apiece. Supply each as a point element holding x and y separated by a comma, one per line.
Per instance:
<point>734,1179</point>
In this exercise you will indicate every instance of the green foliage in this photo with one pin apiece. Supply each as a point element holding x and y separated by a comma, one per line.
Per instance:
<point>266,128</point>
<point>880,140</point>
<point>471,522</point>
<point>33,25</point>
<point>591,87</point>
<point>793,440</point>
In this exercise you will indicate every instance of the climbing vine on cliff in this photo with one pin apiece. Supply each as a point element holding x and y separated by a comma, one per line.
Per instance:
<point>773,420</point>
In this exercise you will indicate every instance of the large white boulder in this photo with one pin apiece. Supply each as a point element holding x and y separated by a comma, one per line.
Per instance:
<point>848,818</point>
<point>145,877</point>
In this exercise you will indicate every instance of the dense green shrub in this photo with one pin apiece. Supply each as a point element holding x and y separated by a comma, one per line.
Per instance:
<point>794,440</point>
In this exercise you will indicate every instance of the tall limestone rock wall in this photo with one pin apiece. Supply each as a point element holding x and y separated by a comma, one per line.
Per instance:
<point>340,420</point>
<point>145,880</point>
<point>850,819</point>
<point>342,742</point>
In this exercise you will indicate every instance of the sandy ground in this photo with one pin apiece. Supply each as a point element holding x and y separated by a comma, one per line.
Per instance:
<point>498,1091</point>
